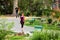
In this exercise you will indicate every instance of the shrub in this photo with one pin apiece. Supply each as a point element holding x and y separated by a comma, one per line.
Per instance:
<point>49,21</point>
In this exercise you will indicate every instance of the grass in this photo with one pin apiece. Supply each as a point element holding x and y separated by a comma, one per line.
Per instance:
<point>36,22</point>
<point>44,25</point>
<point>16,38</point>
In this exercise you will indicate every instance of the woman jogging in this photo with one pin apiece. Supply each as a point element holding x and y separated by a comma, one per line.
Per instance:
<point>22,21</point>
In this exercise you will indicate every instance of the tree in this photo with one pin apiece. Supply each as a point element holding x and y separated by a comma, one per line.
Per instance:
<point>36,7</point>
<point>15,4</point>
<point>31,5</point>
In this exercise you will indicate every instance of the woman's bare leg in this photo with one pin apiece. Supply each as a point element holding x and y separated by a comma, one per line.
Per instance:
<point>22,28</point>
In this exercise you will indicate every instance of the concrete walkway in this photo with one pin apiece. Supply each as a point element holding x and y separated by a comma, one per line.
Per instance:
<point>17,26</point>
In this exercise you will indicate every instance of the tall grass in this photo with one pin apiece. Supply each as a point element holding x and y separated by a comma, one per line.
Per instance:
<point>5,27</point>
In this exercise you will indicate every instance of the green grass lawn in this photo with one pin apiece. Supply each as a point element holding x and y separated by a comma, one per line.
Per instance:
<point>44,25</point>
<point>36,22</point>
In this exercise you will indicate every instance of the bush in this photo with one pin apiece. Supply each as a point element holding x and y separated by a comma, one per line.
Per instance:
<point>49,21</point>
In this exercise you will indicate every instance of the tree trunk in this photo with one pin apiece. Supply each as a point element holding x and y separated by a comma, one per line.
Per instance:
<point>15,4</point>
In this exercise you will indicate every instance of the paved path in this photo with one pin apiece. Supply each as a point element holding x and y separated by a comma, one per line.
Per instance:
<point>17,26</point>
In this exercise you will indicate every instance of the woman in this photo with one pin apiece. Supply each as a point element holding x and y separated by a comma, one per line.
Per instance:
<point>22,21</point>
<point>16,11</point>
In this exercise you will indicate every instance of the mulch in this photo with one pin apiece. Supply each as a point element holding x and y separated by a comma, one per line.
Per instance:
<point>19,34</point>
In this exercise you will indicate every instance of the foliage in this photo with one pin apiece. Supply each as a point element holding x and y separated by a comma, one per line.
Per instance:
<point>36,7</point>
<point>57,14</point>
<point>6,6</point>
<point>32,22</point>
<point>46,35</point>
<point>48,25</point>
<point>51,26</point>
<point>16,38</point>
<point>49,21</point>
<point>5,28</point>
<point>4,33</point>
<point>47,12</point>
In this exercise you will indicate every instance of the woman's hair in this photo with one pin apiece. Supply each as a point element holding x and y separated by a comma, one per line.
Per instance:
<point>22,13</point>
